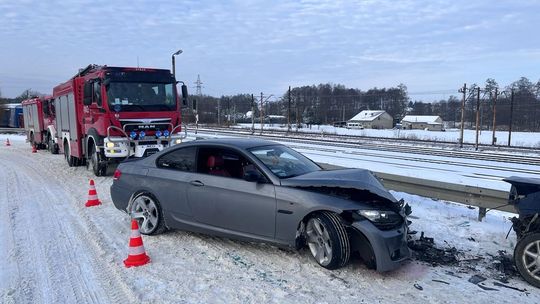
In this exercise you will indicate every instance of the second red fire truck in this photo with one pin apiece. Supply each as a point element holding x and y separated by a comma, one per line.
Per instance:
<point>107,114</point>
<point>39,122</point>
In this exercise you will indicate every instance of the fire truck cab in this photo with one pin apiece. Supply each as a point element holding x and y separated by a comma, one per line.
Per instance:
<point>39,122</point>
<point>107,114</point>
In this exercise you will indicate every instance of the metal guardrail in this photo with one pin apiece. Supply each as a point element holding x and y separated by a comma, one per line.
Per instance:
<point>11,130</point>
<point>475,196</point>
<point>482,198</point>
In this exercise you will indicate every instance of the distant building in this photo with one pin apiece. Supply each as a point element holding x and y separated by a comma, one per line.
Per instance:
<point>422,122</point>
<point>275,119</point>
<point>368,119</point>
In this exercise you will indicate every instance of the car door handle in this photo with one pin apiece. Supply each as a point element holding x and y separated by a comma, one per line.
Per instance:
<point>196,183</point>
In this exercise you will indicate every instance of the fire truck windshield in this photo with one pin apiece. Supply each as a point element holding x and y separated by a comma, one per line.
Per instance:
<point>140,96</point>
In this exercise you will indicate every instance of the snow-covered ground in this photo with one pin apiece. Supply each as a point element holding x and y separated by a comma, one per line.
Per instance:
<point>54,250</point>
<point>518,139</point>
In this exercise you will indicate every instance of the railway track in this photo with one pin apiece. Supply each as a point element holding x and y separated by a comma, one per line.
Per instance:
<point>425,142</point>
<point>364,144</point>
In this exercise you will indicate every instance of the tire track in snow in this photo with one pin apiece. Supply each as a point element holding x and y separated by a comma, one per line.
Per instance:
<point>49,234</point>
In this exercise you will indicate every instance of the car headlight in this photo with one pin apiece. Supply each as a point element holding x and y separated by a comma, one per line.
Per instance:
<point>178,141</point>
<point>380,216</point>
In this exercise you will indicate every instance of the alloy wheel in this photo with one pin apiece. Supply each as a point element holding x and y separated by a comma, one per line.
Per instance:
<point>318,241</point>
<point>531,259</point>
<point>145,211</point>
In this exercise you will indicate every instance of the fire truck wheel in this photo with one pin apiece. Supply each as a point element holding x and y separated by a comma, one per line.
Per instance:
<point>51,146</point>
<point>69,159</point>
<point>97,168</point>
<point>527,258</point>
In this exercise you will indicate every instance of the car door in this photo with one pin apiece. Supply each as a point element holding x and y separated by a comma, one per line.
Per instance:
<point>226,200</point>
<point>169,182</point>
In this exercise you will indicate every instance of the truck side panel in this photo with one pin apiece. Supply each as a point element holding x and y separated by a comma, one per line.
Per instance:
<point>66,123</point>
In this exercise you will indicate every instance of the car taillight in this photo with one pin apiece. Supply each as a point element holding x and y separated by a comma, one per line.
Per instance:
<point>117,174</point>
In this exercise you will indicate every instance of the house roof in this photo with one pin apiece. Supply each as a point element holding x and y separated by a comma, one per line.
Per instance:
<point>429,119</point>
<point>367,115</point>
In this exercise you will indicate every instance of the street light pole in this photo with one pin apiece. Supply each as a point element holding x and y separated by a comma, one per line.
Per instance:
<point>173,63</point>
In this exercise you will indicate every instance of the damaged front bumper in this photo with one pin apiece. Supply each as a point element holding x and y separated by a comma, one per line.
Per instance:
<point>388,247</point>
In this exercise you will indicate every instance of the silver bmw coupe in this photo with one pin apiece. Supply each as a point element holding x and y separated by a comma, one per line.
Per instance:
<point>257,190</point>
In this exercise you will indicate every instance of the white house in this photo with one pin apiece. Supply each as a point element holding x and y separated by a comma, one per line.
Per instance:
<point>377,119</point>
<point>423,122</point>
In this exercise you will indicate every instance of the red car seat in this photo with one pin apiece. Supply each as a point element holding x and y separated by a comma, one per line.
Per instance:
<point>215,166</point>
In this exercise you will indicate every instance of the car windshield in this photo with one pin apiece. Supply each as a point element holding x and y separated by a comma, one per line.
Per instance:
<point>284,162</point>
<point>140,96</point>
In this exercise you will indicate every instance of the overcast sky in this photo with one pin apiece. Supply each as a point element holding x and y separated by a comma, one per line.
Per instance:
<point>254,46</point>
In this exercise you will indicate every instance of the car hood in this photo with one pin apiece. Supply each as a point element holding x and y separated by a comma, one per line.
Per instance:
<point>359,179</point>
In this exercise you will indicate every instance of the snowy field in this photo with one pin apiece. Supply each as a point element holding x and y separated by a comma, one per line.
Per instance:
<point>519,139</point>
<point>53,250</point>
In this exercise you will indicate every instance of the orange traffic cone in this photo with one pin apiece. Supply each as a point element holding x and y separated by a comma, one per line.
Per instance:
<point>92,196</point>
<point>8,143</point>
<point>34,150</point>
<point>136,256</point>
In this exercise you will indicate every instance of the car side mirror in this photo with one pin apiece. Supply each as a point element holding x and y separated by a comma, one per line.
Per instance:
<point>184,96</point>
<point>253,175</point>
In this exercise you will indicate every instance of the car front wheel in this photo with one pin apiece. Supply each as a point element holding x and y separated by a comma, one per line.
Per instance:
<point>146,209</point>
<point>327,240</point>
<point>527,258</point>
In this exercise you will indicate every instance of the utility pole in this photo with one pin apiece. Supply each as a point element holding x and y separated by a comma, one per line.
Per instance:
<point>464,91</point>
<point>252,114</point>
<point>494,139</point>
<point>477,116</point>
<point>511,116</point>
<point>219,111</point>
<point>196,110</point>
<point>289,112</point>
<point>261,112</point>
<point>228,112</point>
<point>297,116</point>
<point>234,112</point>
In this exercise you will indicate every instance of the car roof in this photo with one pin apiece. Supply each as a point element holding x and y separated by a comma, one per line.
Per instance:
<point>242,143</point>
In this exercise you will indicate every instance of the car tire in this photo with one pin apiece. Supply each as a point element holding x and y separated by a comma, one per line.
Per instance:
<point>327,240</point>
<point>146,209</point>
<point>527,253</point>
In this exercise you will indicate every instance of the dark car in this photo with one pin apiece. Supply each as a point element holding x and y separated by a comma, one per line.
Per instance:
<point>525,197</point>
<point>258,190</point>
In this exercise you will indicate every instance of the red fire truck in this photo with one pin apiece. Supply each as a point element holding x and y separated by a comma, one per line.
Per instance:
<point>107,114</point>
<point>39,122</point>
